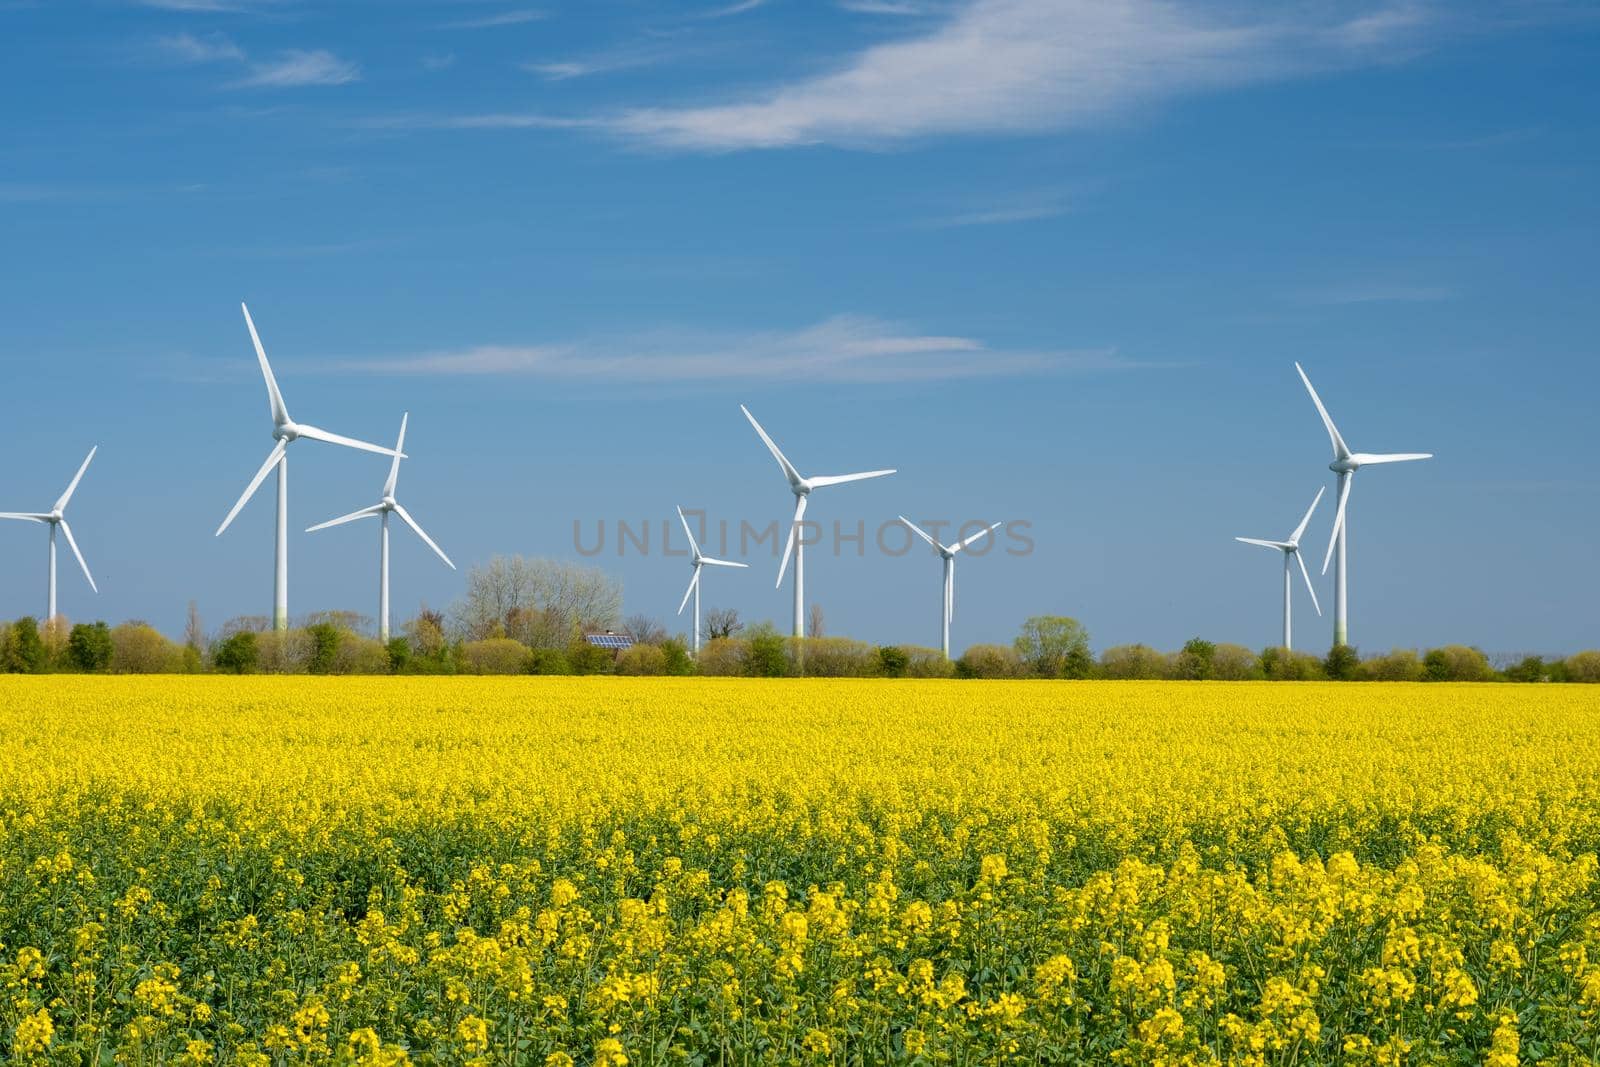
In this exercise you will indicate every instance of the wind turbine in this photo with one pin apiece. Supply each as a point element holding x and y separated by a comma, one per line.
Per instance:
<point>949,553</point>
<point>801,488</point>
<point>1291,548</point>
<point>386,504</point>
<point>285,432</point>
<point>55,518</point>
<point>700,559</point>
<point>1345,464</point>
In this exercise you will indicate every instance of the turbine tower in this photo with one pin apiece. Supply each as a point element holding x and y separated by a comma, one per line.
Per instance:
<point>386,504</point>
<point>55,518</point>
<point>1291,548</point>
<point>285,431</point>
<point>699,559</point>
<point>801,487</point>
<point>948,552</point>
<point>1345,464</point>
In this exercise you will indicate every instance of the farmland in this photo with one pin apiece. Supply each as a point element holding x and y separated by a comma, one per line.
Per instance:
<point>602,870</point>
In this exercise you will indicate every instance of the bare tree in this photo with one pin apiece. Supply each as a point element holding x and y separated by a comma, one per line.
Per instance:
<point>814,621</point>
<point>644,630</point>
<point>539,602</point>
<point>722,622</point>
<point>194,634</point>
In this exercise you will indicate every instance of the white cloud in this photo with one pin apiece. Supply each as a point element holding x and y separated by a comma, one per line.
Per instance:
<point>844,348</point>
<point>297,67</point>
<point>489,22</point>
<point>1028,66</point>
<point>734,9</point>
<point>439,62</point>
<point>212,48</point>
<point>888,7</point>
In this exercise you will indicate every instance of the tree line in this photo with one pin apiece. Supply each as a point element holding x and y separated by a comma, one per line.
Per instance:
<point>531,616</point>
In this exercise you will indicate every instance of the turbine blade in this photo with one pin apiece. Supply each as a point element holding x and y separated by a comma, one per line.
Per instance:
<point>316,433</point>
<point>1307,576</point>
<point>783,461</point>
<point>686,593</point>
<point>1294,538</point>
<point>24,516</point>
<point>255,483</point>
<point>920,532</point>
<point>280,411</point>
<point>405,517</point>
<point>1345,481</point>
<point>721,562</point>
<point>1280,545</point>
<point>76,478</point>
<point>399,450</point>
<point>73,544</point>
<point>376,509</point>
<point>980,534</point>
<point>1391,457</point>
<point>693,545</point>
<point>1340,449</point>
<point>836,479</point>
<point>788,548</point>
<point>950,593</point>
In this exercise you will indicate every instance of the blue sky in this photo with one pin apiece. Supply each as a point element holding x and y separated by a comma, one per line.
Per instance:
<point>1052,260</point>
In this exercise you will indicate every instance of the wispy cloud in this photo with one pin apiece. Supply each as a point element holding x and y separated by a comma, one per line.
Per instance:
<point>298,67</point>
<point>211,48</point>
<point>506,120</point>
<point>212,7</point>
<point>489,22</point>
<point>439,62</point>
<point>844,348</point>
<point>611,60</point>
<point>1019,207</point>
<point>734,9</point>
<point>1028,66</point>
<point>890,7</point>
<point>1379,292</point>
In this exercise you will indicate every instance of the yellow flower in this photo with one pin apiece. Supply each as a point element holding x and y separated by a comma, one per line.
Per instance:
<point>33,1033</point>
<point>610,1053</point>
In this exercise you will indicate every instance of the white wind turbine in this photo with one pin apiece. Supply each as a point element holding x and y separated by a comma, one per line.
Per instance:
<point>285,431</point>
<point>386,504</point>
<point>55,518</point>
<point>1289,548</point>
<point>1345,464</point>
<point>801,487</point>
<point>948,552</point>
<point>699,559</point>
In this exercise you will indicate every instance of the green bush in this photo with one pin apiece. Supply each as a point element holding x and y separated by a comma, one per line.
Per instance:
<point>25,652</point>
<point>766,653</point>
<point>89,647</point>
<point>892,661</point>
<point>723,656</point>
<point>1582,667</point>
<point>1457,663</point>
<point>678,661</point>
<point>989,661</point>
<point>1287,665</point>
<point>1342,663</point>
<point>927,662</point>
<point>590,659</point>
<point>324,638</point>
<point>548,661</point>
<point>1193,663</point>
<point>840,657</point>
<point>641,660</point>
<point>1400,665</point>
<point>495,655</point>
<point>1054,646</point>
<point>355,654</point>
<point>1235,663</point>
<point>1132,662</point>
<point>399,652</point>
<point>237,654</point>
<point>138,648</point>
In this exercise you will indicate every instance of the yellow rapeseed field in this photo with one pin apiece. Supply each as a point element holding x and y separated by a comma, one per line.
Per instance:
<point>611,871</point>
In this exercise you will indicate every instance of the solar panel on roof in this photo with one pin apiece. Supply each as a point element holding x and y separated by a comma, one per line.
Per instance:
<point>612,641</point>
